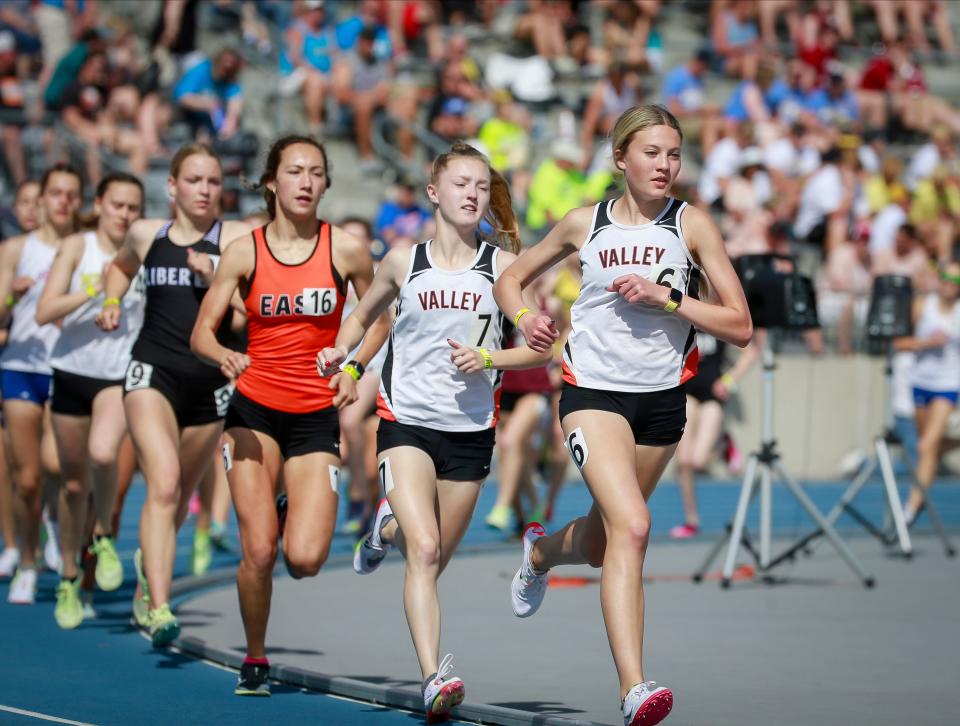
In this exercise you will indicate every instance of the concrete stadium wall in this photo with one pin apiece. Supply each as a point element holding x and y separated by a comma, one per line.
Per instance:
<point>823,408</point>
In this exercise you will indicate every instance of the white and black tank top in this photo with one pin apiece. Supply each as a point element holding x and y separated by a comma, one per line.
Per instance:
<point>419,384</point>
<point>173,297</point>
<point>619,346</point>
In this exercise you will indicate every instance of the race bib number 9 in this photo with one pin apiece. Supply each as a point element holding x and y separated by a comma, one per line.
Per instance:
<point>138,376</point>
<point>319,301</point>
<point>221,398</point>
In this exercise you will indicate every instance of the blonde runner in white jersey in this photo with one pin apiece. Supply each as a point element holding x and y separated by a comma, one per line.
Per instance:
<point>29,345</point>
<point>82,348</point>
<point>618,346</point>
<point>417,385</point>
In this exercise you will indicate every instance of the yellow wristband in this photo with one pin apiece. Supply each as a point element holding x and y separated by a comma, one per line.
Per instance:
<point>487,358</point>
<point>11,300</point>
<point>352,372</point>
<point>728,382</point>
<point>520,313</point>
<point>111,301</point>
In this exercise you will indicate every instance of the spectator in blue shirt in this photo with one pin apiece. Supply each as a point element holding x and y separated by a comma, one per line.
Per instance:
<point>834,104</point>
<point>209,95</point>
<point>683,94</point>
<point>757,101</point>
<point>400,215</point>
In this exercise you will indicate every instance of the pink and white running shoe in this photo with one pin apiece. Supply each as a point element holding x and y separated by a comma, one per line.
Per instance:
<point>442,693</point>
<point>646,704</point>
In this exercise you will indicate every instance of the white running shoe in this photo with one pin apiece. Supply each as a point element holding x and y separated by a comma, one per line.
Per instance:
<point>441,694</point>
<point>9,559</point>
<point>371,550</point>
<point>528,586</point>
<point>51,550</point>
<point>23,588</point>
<point>646,704</point>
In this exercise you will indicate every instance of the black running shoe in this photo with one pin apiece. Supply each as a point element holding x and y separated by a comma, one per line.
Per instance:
<point>253,680</point>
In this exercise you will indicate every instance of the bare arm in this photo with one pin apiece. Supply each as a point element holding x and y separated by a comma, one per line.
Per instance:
<point>9,257</point>
<point>729,318</point>
<point>916,344</point>
<point>564,239</point>
<point>236,264</point>
<point>56,300</point>
<point>360,274</point>
<point>376,300</point>
<point>471,359</point>
<point>124,267</point>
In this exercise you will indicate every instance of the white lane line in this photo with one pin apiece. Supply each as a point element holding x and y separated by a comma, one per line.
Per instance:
<point>42,716</point>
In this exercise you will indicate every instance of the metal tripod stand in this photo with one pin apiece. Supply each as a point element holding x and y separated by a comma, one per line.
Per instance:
<point>763,468</point>
<point>883,459</point>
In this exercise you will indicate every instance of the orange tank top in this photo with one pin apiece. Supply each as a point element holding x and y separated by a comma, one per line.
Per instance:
<point>293,312</point>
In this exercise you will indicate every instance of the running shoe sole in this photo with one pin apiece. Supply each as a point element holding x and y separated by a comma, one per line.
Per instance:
<point>654,710</point>
<point>165,634</point>
<point>262,692</point>
<point>450,696</point>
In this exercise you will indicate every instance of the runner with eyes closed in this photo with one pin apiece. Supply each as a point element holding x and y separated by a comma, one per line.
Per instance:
<point>439,393</point>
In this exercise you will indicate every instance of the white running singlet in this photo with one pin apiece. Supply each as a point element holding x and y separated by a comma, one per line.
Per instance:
<point>29,345</point>
<point>419,384</point>
<point>938,369</point>
<point>631,347</point>
<point>85,350</point>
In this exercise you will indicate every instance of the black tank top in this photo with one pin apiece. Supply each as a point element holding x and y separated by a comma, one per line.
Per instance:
<point>174,294</point>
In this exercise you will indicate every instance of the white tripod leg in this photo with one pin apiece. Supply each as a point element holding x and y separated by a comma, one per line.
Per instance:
<point>893,496</point>
<point>740,518</point>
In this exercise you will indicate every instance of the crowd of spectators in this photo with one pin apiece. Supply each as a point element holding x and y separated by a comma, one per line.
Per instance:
<point>811,124</point>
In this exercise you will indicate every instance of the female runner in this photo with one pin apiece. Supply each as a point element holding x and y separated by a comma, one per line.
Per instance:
<point>438,406</point>
<point>630,350</point>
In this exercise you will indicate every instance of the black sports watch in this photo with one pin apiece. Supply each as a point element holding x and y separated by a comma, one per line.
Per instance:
<point>676,297</point>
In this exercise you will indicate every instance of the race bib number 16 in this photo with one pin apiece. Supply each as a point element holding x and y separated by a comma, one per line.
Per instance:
<point>319,300</point>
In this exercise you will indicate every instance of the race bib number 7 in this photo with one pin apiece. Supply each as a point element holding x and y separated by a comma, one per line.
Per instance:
<point>319,301</point>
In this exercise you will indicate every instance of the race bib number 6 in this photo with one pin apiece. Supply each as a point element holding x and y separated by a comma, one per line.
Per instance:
<point>319,300</point>
<point>577,446</point>
<point>665,275</point>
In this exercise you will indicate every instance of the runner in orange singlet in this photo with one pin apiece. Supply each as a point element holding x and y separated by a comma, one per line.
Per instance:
<point>292,275</point>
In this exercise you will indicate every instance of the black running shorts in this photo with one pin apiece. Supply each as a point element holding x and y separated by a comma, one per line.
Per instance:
<point>73,395</point>
<point>656,418</point>
<point>297,434</point>
<point>457,455</point>
<point>195,401</point>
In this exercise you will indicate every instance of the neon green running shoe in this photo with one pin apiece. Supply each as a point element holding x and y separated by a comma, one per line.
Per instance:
<point>141,603</point>
<point>499,518</point>
<point>202,552</point>
<point>163,626</point>
<point>109,573</point>
<point>69,611</point>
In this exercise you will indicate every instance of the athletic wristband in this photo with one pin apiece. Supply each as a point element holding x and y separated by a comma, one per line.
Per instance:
<point>520,313</point>
<point>728,382</point>
<point>487,358</point>
<point>111,301</point>
<point>354,369</point>
<point>11,300</point>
